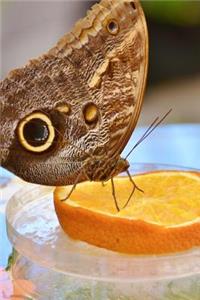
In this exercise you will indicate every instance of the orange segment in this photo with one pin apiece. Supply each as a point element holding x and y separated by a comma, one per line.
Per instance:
<point>165,218</point>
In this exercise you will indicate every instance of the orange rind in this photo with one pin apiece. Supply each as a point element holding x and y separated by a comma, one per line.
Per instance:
<point>163,219</point>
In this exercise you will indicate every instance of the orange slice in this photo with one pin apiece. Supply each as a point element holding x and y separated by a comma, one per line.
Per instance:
<point>165,218</point>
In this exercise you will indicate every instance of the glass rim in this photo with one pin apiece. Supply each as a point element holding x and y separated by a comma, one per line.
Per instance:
<point>118,266</point>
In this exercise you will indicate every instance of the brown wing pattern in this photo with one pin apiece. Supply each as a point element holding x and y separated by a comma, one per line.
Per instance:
<point>114,67</point>
<point>102,61</point>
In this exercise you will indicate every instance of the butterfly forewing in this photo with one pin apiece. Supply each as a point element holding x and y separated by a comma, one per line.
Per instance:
<point>112,66</point>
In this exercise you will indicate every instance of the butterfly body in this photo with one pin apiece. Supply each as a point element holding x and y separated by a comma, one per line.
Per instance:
<point>71,112</point>
<point>103,170</point>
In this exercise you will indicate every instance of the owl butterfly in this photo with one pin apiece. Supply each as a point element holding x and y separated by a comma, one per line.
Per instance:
<point>67,115</point>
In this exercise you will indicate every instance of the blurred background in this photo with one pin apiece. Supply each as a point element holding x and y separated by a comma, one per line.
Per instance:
<point>29,28</point>
<point>174,70</point>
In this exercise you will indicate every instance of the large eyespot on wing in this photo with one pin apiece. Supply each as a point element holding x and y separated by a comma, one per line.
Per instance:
<point>36,132</point>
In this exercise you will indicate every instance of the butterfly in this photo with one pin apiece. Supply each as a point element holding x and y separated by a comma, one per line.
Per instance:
<point>67,115</point>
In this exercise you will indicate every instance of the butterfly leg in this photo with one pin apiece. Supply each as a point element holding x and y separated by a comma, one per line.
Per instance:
<point>73,187</point>
<point>114,194</point>
<point>133,191</point>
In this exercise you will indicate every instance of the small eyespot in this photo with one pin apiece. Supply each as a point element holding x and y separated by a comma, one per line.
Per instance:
<point>64,108</point>
<point>90,113</point>
<point>132,3</point>
<point>36,132</point>
<point>113,27</point>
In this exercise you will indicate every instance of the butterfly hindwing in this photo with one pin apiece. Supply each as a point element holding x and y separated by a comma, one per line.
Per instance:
<point>88,92</point>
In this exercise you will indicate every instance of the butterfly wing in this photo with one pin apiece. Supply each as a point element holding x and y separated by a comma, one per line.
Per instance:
<point>114,67</point>
<point>86,93</point>
<point>128,67</point>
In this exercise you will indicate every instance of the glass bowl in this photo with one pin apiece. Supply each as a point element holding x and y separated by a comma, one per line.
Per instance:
<point>61,268</point>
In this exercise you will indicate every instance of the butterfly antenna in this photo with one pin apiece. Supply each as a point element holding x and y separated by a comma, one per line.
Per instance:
<point>143,136</point>
<point>151,128</point>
